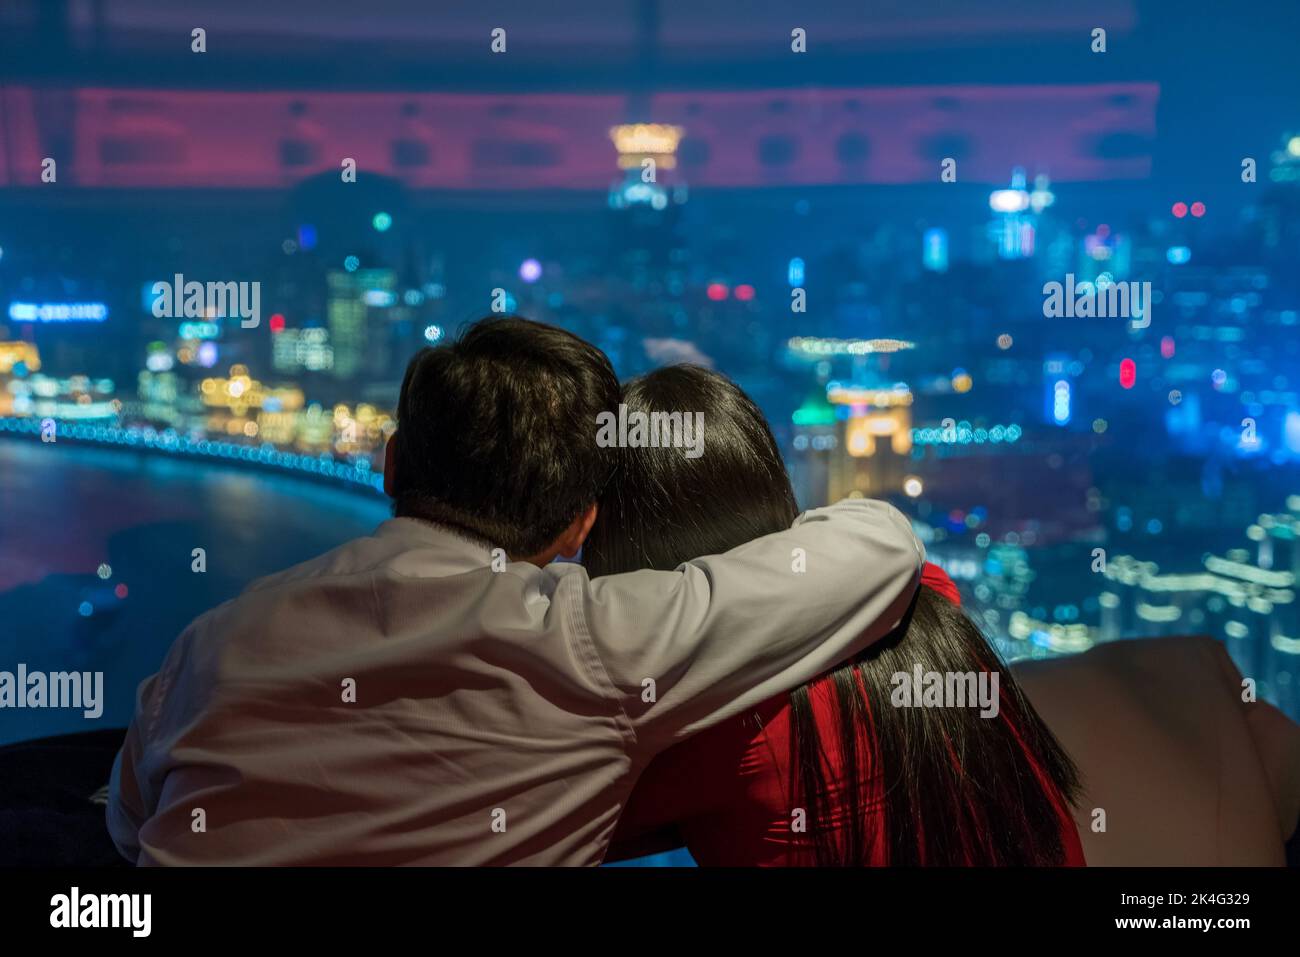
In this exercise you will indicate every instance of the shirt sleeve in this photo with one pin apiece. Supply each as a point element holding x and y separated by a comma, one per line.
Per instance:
<point>135,787</point>
<point>130,798</point>
<point>688,648</point>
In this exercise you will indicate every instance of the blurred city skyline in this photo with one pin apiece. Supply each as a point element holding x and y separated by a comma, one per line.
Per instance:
<point>799,231</point>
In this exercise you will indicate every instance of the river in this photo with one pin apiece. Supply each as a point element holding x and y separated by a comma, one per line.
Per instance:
<point>70,513</point>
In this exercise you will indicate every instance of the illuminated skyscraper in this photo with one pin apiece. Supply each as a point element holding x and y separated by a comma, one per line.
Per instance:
<point>858,437</point>
<point>871,457</point>
<point>297,350</point>
<point>1012,227</point>
<point>352,296</point>
<point>816,434</point>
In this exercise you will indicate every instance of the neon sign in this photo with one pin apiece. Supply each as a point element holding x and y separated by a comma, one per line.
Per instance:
<point>58,311</point>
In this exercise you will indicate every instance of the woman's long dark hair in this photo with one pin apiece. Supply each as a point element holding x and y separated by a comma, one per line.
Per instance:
<point>953,787</point>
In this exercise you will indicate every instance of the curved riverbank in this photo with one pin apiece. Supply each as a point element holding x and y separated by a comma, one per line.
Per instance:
<point>96,555</point>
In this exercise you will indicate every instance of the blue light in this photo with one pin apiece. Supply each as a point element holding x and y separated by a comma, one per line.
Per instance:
<point>962,433</point>
<point>381,221</point>
<point>58,311</point>
<point>148,296</point>
<point>198,330</point>
<point>1061,402</point>
<point>795,272</point>
<point>1178,255</point>
<point>351,263</point>
<point>1291,431</point>
<point>306,236</point>
<point>432,333</point>
<point>85,609</point>
<point>934,250</point>
<point>530,270</point>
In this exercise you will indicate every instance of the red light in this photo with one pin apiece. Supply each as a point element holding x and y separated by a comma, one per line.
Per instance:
<point>745,292</point>
<point>1103,230</point>
<point>1198,210</point>
<point>1180,210</point>
<point>276,323</point>
<point>716,291</point>
<point>1128,373</point>
<point>120,591</point>
<point>1167,347</point>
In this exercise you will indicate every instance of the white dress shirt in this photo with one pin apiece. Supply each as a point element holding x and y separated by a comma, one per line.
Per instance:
<point>397,701</point>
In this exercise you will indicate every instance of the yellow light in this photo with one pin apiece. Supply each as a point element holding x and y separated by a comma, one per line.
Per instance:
<point>811,347</point>
<point>12,353</point>
<point>912,487</point>
<point>1249,573</point>
<point>1068,639</point>
<point>856,395</point>
<point>646,139</point>
<point>962,383</point>
<point>1288,646</point>
<point>1158,613</point>
<point>859,439</point>
<point>1293,146</point>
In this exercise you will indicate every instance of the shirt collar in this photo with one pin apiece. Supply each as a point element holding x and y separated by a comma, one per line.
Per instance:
<point>415,531</point>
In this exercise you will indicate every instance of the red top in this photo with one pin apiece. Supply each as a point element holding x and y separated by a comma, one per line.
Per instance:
<point>727,790</point>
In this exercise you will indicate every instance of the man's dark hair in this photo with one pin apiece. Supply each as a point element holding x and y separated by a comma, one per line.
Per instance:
<point>496,433</point>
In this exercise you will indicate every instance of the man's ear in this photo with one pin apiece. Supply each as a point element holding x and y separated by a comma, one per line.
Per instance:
<point>572,537</point>
<point>390,466</point>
